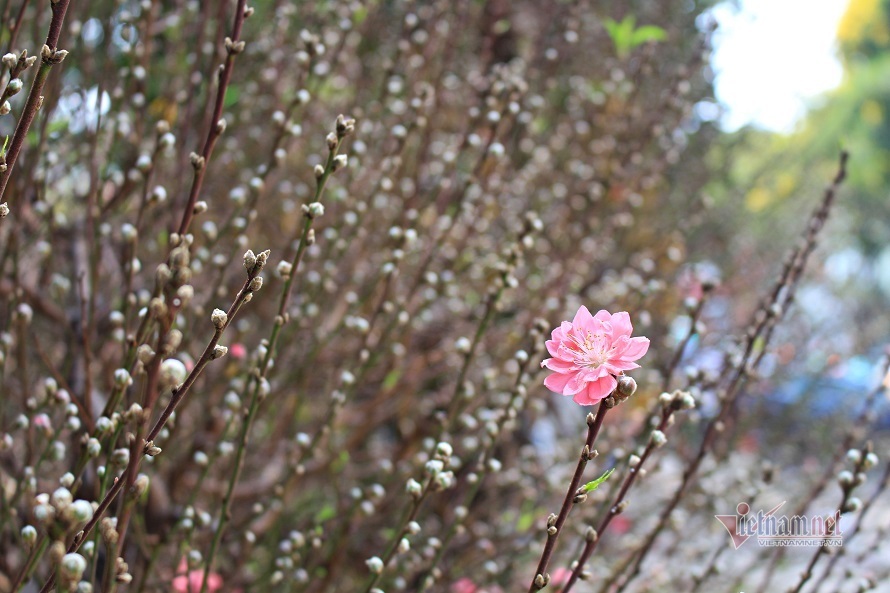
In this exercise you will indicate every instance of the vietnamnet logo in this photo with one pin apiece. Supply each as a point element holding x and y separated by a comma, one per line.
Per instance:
<point>773,530</point>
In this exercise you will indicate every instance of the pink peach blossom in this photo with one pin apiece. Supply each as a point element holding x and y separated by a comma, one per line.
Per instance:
<point>560,576</point>
<point>590,352</point>
<point>192,582</point>
<point>237,350</point>
<point>465,585</point>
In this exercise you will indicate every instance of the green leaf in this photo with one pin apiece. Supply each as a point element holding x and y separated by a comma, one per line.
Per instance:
<point>591,486</point>
<point>391,379</point>
<point>327,512</point>
<point>339,464</point>
<point>359,15</point>
<point>232,95</point>
<point>647,33</point>
<point>621,33</point>
<point>626,36</point>
<point>525,522</point>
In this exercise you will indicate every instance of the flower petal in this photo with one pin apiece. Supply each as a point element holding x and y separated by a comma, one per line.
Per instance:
<point>575,384</point>
<point>583,319</point>
<point>618,366</point>
<point>558,365</point>
<point>557,382</point>
<point>635,349</point>
<point>621,325</point>
<point>596,390</point>
<point>603,315</point>
<point>558,334</point>
<point>553,347</point>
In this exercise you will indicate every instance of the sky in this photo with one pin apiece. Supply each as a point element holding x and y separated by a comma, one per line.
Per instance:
<point>771,57</point>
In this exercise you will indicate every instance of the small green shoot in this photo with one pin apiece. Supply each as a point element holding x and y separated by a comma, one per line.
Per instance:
<point>627,36</point>
<point>593,485</point>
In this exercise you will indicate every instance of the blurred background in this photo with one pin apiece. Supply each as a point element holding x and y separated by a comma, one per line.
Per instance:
<point>794,82</point>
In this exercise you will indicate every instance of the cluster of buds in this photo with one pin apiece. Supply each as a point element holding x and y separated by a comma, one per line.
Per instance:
<point>52,56</point>
<point>234,47</point>
<point>312,45</point>
<point>343,127</point>
<point>108,530</point>
<point>435,471</point>
<point>179,272</point>
<point>254,263</point>
<point>441,478</point>
<point>313,210</point>
<point>122,572</point>
<point>862,460</point>
<point>62,506</point>
<point>511,256</point>
<point>16,64</point>
<point>675,401</point>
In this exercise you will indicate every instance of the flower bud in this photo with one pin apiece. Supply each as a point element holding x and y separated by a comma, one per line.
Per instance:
<point>29,536</point>
<point>626,386</point>
<point>72,567</point>
<point>340,162</point>
<point>374,564</point>
<point>140,486</point>
<point>122,378</point>
<point>433,467</point>
<point>657,438</point>
<point>219,318</point>
<point>444,480</point>
<point>93,447</point>
<point>345,125</point>
<point>61,498</point>
<point>414,488</point>
<point>404,546</point>
<point>79,512</point>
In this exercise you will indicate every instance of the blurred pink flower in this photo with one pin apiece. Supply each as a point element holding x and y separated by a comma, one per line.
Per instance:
<point>560,576</point>
<point>465,585</point>
<point>192,582</point>
<point>237,350</point>
<point>589,352</point>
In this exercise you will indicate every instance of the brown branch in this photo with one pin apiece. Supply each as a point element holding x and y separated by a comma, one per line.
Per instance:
<point>234,46</point>
<point>49,57</point>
